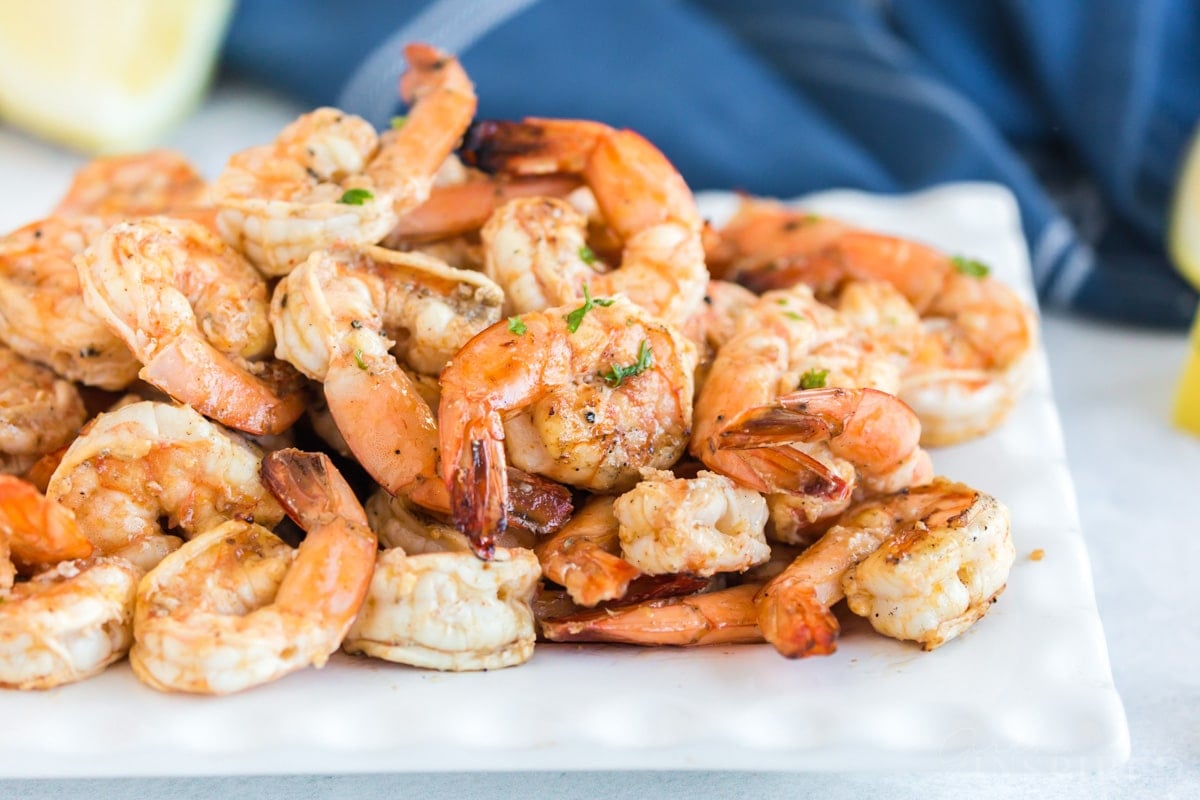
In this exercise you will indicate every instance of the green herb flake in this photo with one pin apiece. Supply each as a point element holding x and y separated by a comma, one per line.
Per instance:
<point>781,301</point>
<point>517,325</point>
<point>355,197</point>
<point>398,122</point>
<point>814,379</point>
<point>575,318</point>
<point>587,255</point>
<point>969,266</point>
<point>811,218</point>
<point>617,374</point>
<point>358,359</point>
<point>793,315</point>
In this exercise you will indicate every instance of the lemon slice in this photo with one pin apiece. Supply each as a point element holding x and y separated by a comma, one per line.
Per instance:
<point>106,76</point>
<point>1184,244</point>
<point>1184,236</point>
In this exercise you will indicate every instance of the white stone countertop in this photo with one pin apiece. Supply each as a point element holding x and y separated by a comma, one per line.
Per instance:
<point>1134,474</point>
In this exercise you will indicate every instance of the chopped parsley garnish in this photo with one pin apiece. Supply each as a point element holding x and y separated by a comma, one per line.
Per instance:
<point>814,379</point>
<point>517,325</point>
<point>969,266</point>
<point>811,218</point>
<point>793,315</point>
<point>355,197</point>
<point>645,360</point>
<point>587,255</point>
<point>575,318</point>
<point>358,359</point>
<point>398,122</point>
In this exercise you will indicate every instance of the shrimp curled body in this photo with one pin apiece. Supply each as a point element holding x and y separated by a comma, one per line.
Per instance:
<point>237,607</point>
<point>589,407</point>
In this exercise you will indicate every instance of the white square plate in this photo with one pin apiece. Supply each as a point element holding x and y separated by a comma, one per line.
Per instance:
<point>1028,687</point>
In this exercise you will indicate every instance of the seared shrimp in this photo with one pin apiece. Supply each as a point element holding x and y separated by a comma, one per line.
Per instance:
<point>940,570</point>
<point>583,556</point>
<point>42,313</point>
<point>328,177</point>
<point>587,396</point>
<point>769,417</point>
<point>72,619</point>
<point>433,604</point>
<point>726,616</point>
<point>236,607</point>
<point>329,324</point>
<point>39,412</point>
<point>150,462</point>
<point>195,313</point>
<point>278,203</point>
<point>463,208</point>
<point>123,187</point>
<point>536,248</point>
<point>430,308</point>
<point>717,321</point>
<point>702,525</point>
<point>939,554</point>
<point>449,610</point>
<point>976,356</point>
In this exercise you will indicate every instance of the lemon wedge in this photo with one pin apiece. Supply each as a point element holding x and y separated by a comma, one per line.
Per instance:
<point>1184,244</point>
<point>108,76</point>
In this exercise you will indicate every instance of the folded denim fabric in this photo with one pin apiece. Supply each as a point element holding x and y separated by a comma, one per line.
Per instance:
<point>1083,108</point>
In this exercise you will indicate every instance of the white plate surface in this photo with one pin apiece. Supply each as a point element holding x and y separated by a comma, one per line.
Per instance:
<point>1029,687</point>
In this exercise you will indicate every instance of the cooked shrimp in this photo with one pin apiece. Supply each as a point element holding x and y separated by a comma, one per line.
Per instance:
<point>400,523</point>
<point>940,570</point>
<point>328,318</point>
<point>441,104</point>
<point>976,356</point>
<point>430,308</point>
<point>195,313</point>
<point>42,313</point>
<point>717,321</point>
<point>721,617</point>
<point>66,623</point>
<point>328,178</point>
<point>449,611</point>
<point>70,620</point>
<point>870,429</point>
<point>939,555</point>
<point>38,531</point>
<point>583,556</point>
<point>815,444</point>
<point>587,396</point>
<point>536,248</point>
<point>463,208</point>
<point>123,187</point>
<point>39,412</point>
<point>150,462</point>
<point>236,607</point>
<point>278,203</point>
<point>702,525</point>
<point>763,236</point>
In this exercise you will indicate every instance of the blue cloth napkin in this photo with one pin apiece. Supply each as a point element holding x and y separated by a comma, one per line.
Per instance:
<point>1083,108</point>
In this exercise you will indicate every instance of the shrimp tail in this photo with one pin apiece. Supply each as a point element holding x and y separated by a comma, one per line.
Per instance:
<point>478,495</point>
<point>310,488</point>
<point>532,146</point>
<point>796,622</point>
<point>40,531</point>
<point>809,415</point>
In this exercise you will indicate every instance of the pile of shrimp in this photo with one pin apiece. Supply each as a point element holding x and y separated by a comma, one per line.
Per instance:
<point>437,394</point>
